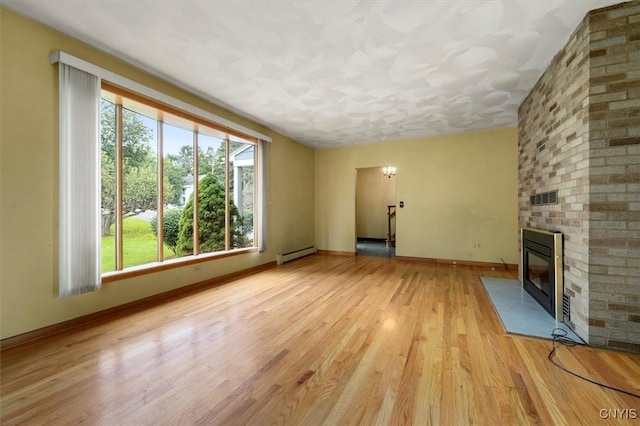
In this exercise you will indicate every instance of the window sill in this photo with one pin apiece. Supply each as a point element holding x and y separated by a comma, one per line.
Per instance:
<point>149,268</point>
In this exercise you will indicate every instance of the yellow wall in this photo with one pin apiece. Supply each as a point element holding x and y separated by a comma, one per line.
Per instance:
<point>458,190</point>
<point>374,192</point>
<point>29,178</point>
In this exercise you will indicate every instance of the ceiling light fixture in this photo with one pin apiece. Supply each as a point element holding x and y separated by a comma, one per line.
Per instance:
<point>389,171</point>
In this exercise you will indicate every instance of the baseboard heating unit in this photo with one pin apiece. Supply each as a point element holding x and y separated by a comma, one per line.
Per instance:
<point>292,255</point>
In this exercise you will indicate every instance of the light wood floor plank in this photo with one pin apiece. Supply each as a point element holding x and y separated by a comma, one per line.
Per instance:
<point>322,340</point>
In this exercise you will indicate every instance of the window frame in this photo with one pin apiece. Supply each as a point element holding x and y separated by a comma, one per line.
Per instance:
<point>164,264</point>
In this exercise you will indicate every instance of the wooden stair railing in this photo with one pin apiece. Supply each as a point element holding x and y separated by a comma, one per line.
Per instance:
<point>391,237</point>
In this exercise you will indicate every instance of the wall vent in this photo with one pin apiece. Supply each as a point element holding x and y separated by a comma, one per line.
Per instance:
<point>566,308</point>
<point>543,198</point>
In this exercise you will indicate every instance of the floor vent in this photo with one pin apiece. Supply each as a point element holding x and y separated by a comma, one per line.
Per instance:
<point>566,308</point>
<point>292,255</point>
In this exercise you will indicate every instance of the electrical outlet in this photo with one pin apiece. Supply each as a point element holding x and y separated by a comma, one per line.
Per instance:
<point>475,245</point>
<point>196,268</point>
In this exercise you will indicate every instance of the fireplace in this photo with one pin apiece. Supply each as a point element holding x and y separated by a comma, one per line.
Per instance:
<point>542,268</point>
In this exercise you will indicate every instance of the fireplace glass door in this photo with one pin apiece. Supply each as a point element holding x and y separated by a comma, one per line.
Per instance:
<point>538,269</point>
<point>542,268</point>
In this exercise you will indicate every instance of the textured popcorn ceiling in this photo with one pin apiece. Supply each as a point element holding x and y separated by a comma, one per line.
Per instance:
<point>330,73</point>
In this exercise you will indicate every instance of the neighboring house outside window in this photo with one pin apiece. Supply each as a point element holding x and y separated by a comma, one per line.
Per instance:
<point>187,189</point>
<point>243,163</point>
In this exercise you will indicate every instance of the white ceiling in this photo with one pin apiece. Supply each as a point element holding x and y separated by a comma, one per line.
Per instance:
<point>330,73</point>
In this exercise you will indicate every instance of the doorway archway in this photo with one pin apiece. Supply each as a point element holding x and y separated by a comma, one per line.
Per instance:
<point>376,196</point>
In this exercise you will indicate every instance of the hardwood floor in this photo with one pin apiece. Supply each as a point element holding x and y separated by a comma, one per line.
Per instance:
<point>322,340</point>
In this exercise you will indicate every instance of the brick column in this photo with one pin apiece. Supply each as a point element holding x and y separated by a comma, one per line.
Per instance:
<point>614,117</point>
<point>579,134</point>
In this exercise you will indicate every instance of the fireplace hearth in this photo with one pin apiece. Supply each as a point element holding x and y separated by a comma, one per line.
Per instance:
<point>542,268</point>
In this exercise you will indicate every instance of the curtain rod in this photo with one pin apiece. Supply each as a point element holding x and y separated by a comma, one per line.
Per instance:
<point>104,74</point>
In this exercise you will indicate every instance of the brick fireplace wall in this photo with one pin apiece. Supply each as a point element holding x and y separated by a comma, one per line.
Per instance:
<point>579,134</point>
<point>553,143</point>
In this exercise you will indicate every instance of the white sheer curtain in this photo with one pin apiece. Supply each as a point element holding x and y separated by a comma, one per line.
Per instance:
<point>79,148</point>
<point>262,202</point>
